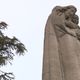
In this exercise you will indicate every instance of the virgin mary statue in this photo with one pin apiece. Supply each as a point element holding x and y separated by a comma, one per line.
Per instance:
<point>61,58</point>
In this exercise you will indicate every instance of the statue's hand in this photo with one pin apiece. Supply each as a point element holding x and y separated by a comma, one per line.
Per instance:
<point>78,34</point>
<point>71,31</point>
<point>78,37</point>
<point>78,31</point>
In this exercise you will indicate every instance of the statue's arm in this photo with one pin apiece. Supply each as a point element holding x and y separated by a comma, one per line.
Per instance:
<point>70,24</point>
<point>66,30</point>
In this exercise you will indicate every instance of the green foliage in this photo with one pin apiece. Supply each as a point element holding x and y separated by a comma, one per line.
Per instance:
<point>7,48</point>
<point>6,76</point>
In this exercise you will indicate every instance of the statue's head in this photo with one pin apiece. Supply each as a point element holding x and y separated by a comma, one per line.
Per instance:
<point>75,19</point>
<point>69,10</point>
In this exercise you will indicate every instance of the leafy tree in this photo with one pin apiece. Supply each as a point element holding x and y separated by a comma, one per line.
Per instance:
<point>9,47</point>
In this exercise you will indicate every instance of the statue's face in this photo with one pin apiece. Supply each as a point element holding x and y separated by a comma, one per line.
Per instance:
<point>70,12</point>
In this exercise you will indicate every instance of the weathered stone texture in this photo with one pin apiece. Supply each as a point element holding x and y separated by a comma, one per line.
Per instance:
<point>61,58</point>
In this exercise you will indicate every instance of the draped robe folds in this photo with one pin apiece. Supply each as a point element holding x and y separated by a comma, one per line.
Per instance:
<point>61,58</point>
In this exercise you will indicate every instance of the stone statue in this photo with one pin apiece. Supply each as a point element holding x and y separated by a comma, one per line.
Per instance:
<point>61,58</point>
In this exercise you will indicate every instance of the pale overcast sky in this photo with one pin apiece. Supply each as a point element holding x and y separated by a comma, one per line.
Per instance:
<point>27,19</point>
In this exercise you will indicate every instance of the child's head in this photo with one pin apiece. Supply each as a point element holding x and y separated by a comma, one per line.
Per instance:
<point>75,19</point>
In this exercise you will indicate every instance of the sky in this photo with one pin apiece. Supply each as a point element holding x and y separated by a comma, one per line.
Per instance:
<point>26,20</point>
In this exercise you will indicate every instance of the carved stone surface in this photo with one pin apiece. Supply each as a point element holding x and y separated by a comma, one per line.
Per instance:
<point>61,58</point>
